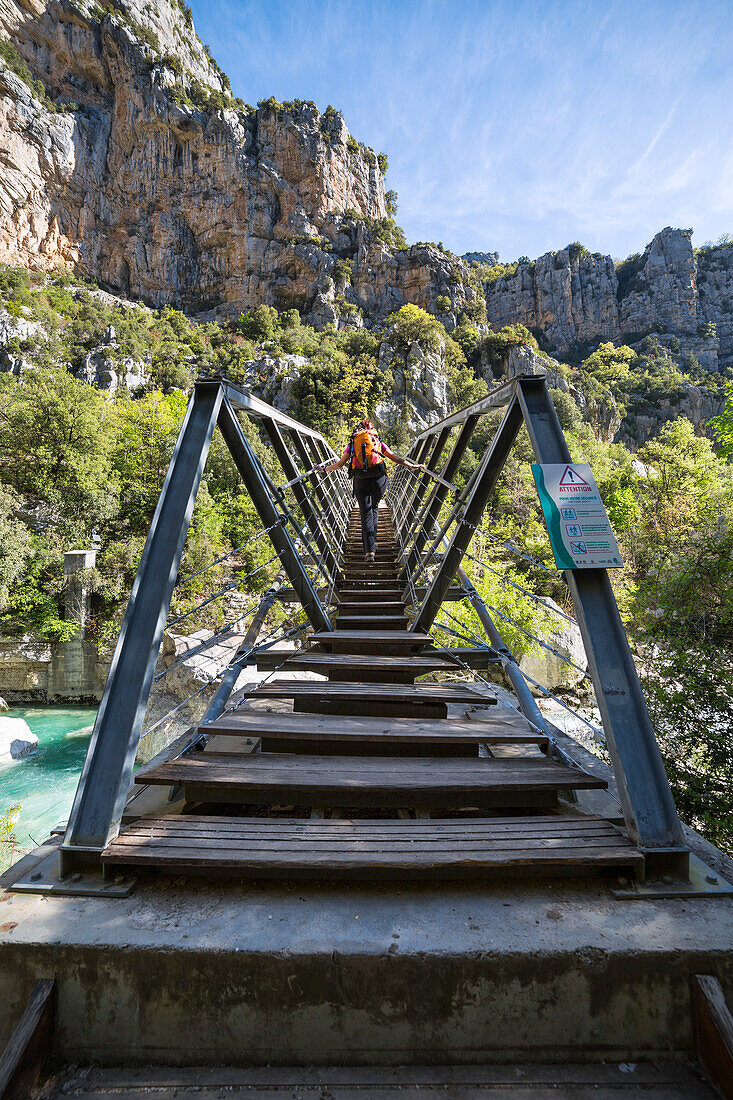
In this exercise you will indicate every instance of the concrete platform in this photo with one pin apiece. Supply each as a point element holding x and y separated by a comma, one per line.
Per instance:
<point>185,974</point>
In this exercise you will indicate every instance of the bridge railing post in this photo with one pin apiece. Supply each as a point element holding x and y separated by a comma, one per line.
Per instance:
<point>646,797</point>
<point>105,779</point>
<point>311,517</point>
<point>434,502</point>
<point>263,501</point>
<point>469,515</point>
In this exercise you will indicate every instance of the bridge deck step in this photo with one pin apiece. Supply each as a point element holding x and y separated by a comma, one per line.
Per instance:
<point>496,728</point>
<point>315,661</point>
<point>371,641</point>
<point>368,781</point>
<point>381,692</point>
<point>256,847</point>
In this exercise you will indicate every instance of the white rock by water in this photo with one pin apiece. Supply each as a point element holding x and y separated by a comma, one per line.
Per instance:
<point>16,739</point>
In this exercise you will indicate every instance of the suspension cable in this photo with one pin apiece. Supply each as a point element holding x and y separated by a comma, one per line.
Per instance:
<point>230,554</point>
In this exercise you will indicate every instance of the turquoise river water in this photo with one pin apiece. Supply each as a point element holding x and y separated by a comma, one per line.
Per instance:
<point>44,783</point>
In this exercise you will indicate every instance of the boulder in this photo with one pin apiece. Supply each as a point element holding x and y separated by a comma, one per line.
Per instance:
<point>16,739</point>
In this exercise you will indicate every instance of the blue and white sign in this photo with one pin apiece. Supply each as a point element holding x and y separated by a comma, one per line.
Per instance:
<point>577,522</point>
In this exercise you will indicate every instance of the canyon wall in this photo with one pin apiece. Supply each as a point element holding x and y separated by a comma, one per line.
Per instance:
<point>572,299</point>
<point>132,163</point>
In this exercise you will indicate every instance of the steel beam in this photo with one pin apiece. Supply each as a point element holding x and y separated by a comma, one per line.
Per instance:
<point>424,480</point>
<point>252,474</point>
<point>509,663</point>
<point>242,399</point>
<point>314,455</point>
<point>497,398</point>
<point>230,677</point>
<point>336,486</point>
<point>105,779</point>
<point>301,495</point>
<point>643,786</point>
<point>484,481</point>
<point>431,509</point>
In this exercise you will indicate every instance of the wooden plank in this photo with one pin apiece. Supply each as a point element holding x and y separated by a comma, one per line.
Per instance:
<point>386,636</point>
<point>342,848</point>
<point>714,1031</point>
<point>316,661</point>
<point>437,693</point>
<point>368,781</point>
<point>408,636</point>
<point>496,729</point>
<point>30,1043</point>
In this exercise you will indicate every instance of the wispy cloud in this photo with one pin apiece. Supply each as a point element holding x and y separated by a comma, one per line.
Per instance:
<point>516,125</point>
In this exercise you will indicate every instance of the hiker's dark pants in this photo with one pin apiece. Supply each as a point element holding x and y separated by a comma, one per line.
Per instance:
<point>369,491</point>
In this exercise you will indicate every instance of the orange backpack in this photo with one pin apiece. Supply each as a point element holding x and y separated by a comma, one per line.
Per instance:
<point>365,452</point>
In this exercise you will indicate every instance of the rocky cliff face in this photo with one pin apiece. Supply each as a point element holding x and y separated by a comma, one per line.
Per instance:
<point>574,299</point>
<point>124,155</point>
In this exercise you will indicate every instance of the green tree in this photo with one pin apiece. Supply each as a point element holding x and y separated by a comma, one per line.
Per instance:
<point>262,323</point>
<point>722,426</point>
<point>55,440</point>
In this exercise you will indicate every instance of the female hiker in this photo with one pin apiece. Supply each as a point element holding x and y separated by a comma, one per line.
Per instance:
<point>365,452</point>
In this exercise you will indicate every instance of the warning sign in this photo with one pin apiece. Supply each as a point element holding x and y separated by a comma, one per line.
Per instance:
<point>580,532</point>
<point>571,476</point>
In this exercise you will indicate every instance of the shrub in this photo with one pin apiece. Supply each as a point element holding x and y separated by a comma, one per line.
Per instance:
<point>576,250</point>
<point>260,324</point>
<point>443,303</point>
<point>411,323</point>
<point>342,272</point>
<point>383,162</point>
<point>475,310</point>
<point>496,345</point>
<point>170,61</point>
<point>352,144</point>
<point>499,271</point>
<point>627,273</point>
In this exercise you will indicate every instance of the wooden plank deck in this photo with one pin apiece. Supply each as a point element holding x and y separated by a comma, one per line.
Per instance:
<point>369,781</point>
<point>255,847</point>
<point>382,693</point>
<point>374,747</point>
<point>494,729</point>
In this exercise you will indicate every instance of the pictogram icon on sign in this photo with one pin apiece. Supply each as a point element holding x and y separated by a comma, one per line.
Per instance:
<point>571,477</point>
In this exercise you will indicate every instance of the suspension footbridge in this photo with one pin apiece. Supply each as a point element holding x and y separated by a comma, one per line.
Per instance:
<point>400,779</point>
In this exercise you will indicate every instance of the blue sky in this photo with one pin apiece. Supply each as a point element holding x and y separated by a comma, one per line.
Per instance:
<point>514,126</point>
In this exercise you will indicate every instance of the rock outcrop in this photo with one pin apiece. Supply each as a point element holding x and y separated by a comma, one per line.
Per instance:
<point>125,156</point>
<point>568,296</point>
<point>16,739</point>
<point>573,299</point>
<point>106,369</point>
<point>419,389</point>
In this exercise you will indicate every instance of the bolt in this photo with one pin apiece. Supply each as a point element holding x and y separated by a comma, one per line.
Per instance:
<point>712,879</point>
<point>35,876</point>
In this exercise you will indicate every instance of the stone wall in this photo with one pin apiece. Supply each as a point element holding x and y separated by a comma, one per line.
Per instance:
<point>36,671</point>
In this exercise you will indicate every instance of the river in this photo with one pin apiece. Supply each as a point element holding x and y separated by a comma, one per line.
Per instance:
<point>44,782</point>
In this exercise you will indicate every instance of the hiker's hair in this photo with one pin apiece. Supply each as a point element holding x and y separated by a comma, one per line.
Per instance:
<point>364,425</point>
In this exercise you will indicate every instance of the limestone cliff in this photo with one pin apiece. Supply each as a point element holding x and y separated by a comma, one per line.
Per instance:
<point>123,154</point>
<point>574,299</point>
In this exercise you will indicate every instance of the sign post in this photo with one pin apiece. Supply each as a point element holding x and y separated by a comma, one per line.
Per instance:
<point>580,532</point>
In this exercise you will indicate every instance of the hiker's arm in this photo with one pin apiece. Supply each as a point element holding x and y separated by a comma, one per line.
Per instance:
<point>399,458</point>
<point>335,465</point>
